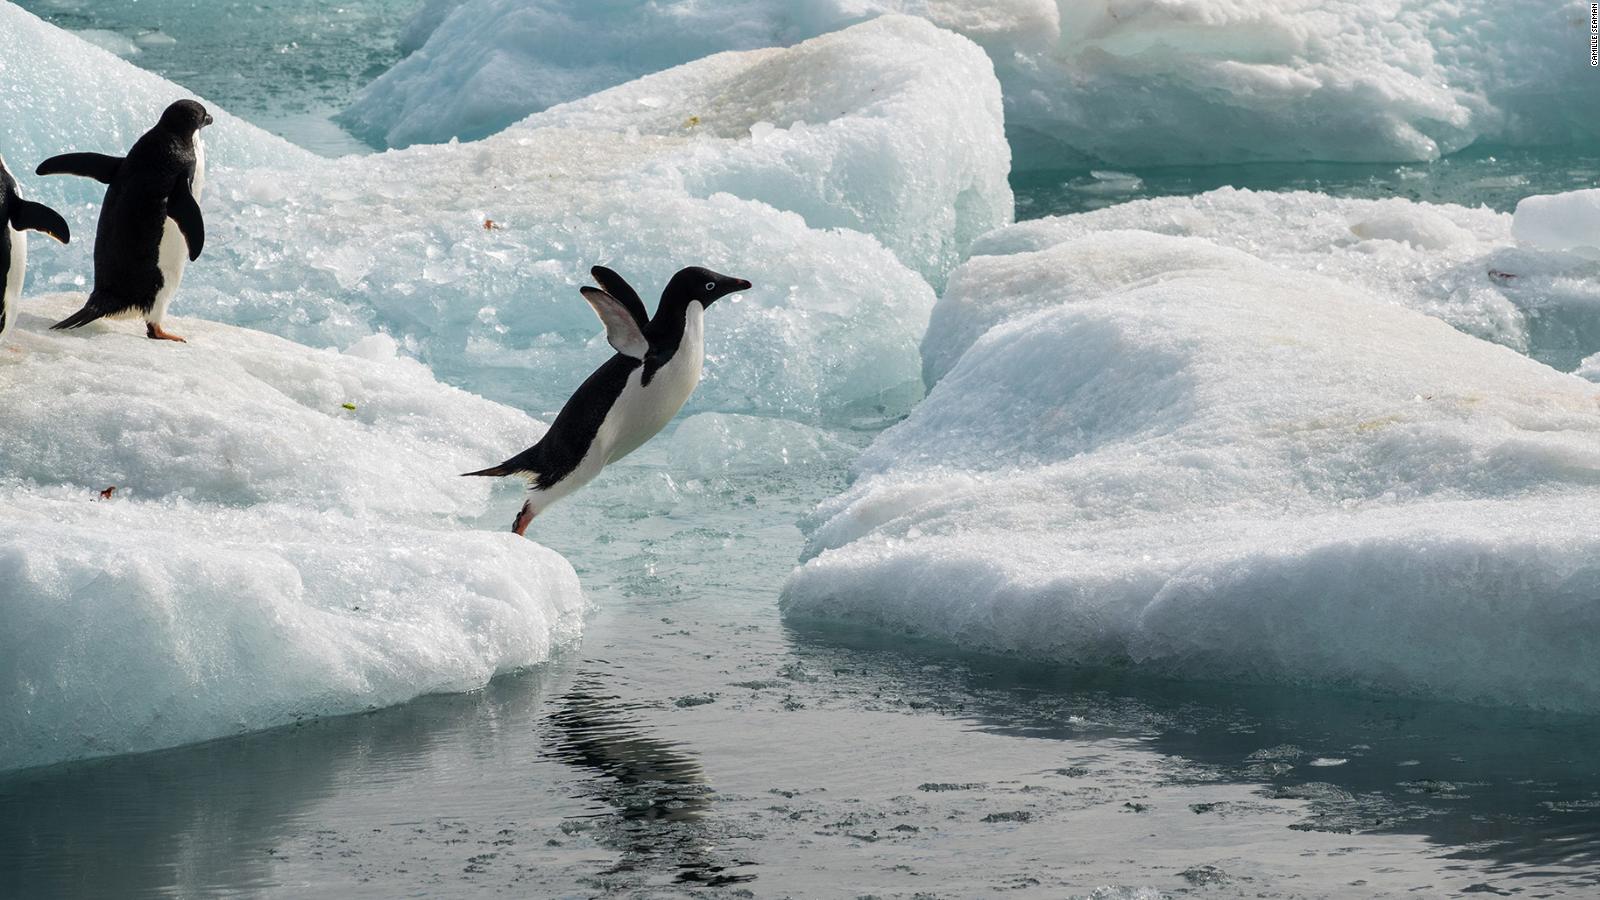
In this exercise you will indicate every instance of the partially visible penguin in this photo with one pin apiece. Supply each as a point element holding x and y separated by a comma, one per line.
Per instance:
<point>631,396</point>
<point>150,225</point>
<point>20,216</point>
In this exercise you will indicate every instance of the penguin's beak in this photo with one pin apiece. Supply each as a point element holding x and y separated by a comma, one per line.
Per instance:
<point>732,286</point>
<point>208,120</point>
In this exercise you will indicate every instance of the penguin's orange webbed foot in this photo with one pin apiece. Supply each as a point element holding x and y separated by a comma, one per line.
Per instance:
<point>156,333</point>
<point>520,526</point>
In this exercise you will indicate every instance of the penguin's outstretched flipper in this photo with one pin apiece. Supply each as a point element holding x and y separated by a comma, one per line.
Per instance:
<point>97,307</point>
<point>182,208</point>
<point>29,216</point>
<point>623,330</point>
<point>100,167</point>
<point>616,286</point>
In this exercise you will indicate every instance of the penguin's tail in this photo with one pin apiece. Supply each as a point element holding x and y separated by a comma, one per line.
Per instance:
<point>82,317</point>
<point>499,470</point>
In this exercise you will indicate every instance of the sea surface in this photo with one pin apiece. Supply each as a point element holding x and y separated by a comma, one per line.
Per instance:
<point>696,744</point>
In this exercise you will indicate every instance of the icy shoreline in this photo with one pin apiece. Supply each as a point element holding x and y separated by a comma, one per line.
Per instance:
<point>283,539</point>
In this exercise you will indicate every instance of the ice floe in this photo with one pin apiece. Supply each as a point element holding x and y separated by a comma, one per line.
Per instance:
<point>1170,455</point>
<point>284,536</point>
<point>1129,81</point>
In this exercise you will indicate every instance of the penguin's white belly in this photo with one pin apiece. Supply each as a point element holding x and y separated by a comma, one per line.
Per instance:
<point>174,253</point>
<point>13,287</point>
<point>642,410</point>
<point>171,260</point>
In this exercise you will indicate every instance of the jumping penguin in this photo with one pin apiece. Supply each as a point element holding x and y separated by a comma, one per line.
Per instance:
<point>19,216</point>
<point>632,395</point>
<point>150,225</point>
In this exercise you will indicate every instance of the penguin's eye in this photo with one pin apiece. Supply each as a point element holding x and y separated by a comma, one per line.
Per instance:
<point>711,286</point>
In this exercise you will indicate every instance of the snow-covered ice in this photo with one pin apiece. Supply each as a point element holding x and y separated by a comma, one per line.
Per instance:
<point>840,211</point>
<point>285,538</point>
<point>1168,454</point>
<point>1130,81</point>
<point>1458,264</point>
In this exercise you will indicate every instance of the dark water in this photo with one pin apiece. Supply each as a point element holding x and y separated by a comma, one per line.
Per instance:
<point>695,744</point>
<point>1496,177</point>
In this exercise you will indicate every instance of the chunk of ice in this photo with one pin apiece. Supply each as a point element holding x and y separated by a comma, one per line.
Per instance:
<point>1569,222</point>
<point>1232,470</point>
<point>281,540</point>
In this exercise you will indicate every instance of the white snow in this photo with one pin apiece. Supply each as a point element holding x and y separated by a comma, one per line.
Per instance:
<point>268,554</point>
<point>1168,455</point>
<point>1128,81</point>
<point>1569,221</point>
<point>1449,261</point>
<point>892,128</point>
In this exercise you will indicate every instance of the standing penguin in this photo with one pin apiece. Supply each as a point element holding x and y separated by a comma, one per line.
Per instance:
<point>150,225</point>
<point>18,216</point>
<point>632,395</point>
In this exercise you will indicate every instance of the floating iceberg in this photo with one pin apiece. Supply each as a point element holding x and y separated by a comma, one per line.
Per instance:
<point>282,539</point>
<point>1183,459</point>
<point>1458,264</point>
<point>1130,81</point>
<point>839,210</point>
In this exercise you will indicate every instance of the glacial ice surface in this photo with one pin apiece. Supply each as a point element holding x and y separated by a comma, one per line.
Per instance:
<point>1130,81</point>
<point>1458,264</point>
<point>284,539</point>
<point>1170,455</point>
<point>470,254</point>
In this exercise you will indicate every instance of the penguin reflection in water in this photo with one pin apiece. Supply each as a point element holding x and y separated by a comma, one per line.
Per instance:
<point>150,225</point>
<point>631,396</point>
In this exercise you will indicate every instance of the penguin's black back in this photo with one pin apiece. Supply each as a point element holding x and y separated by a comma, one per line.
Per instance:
<point>572,434</point>
<point>127,240</point>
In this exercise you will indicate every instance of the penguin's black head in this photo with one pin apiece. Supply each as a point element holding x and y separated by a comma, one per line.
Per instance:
<point>696,283</point>
<point>185,117</point>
